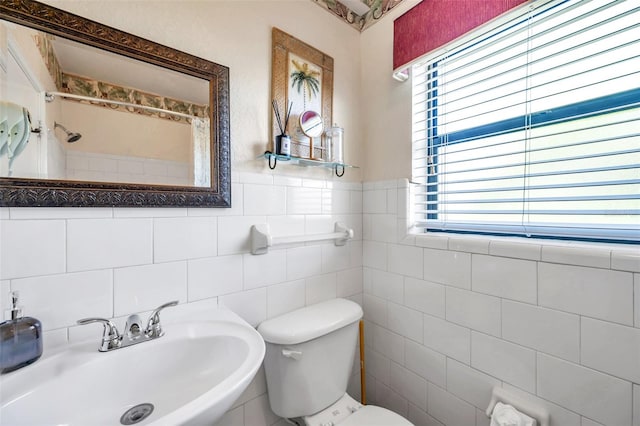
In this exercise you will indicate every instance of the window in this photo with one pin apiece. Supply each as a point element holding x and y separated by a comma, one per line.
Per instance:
<point>532,127</point>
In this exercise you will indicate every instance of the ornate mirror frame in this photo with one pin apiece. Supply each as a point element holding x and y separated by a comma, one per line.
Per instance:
<point>21,192</point>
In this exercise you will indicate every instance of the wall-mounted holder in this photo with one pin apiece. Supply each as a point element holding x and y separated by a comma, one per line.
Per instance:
<point>37,130</point>
<point>338,168</point>
<point>261,238</point>
<point>524,405</point>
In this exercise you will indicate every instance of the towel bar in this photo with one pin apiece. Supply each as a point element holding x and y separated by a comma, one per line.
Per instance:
<point>261,238</point>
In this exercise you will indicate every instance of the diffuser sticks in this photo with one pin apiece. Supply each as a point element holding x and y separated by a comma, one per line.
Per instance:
<point>276,110</point>
<point>282,143</point>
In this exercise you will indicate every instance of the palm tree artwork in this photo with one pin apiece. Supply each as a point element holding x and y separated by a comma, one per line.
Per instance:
<point>304,79</point>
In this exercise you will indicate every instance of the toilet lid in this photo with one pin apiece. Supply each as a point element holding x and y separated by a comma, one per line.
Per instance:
<point>370,415</point>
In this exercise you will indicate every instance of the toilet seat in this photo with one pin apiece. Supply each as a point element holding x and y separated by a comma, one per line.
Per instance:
<point>370,415</point>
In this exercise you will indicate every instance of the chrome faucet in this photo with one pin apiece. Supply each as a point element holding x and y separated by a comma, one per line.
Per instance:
<point>154,328</point>
<point>133,328</point>
<point>133,334</point>
<point>110,338</point>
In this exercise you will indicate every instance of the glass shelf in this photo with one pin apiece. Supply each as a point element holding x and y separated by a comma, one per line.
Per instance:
<point>339,168</point>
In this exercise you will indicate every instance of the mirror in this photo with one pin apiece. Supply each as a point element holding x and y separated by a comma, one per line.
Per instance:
<point>311,125</point>
<point>116,120</point>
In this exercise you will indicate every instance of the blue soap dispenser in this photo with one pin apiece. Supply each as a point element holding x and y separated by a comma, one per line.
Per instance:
<point>20,339</point>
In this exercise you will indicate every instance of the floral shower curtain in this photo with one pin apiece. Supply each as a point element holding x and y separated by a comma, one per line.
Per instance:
<point>200,135</point>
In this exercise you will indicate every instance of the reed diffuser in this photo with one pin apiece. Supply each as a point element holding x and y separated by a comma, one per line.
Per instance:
<point>282,143</point>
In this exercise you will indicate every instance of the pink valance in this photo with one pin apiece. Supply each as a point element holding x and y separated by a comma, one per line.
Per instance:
<point>433,23</point>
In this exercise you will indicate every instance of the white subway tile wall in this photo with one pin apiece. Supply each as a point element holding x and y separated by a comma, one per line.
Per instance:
<point>447,338</point>
<point>451,268</point>
<point>424,296</point>
<point>106,243</point>
<point>120,168</point>
<point>388,286</point>
<point>32,248</point>
<point>181,238</point>
<point>143,288</point>
<point>5,303</point>
<point>427,363</point>
<point>593,394</point>
<point>481,418</point>
<point>546,330</point>
<point>410,386</point>
<point>285,297</point>
<point>628,261</point>
<point>110,262</point>
<point>473,310</point>
<point>636,292</point>
<point>622,357</point>
<point>506,361</point>
<point>598,293</point>
<point>319,288</point>
<point>470,384</point>
<point>58,301</point>
<point>507,278</point>
<point>448,408</point>
<point>214,276</point>
<point>636,405</point>
<point>446,317</point>
<point>557,414</point>
<point>589,422</point>
<point>557,323</point>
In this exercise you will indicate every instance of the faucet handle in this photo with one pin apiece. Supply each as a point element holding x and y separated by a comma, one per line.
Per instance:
<point>154,329</point>
<point>110,338</point>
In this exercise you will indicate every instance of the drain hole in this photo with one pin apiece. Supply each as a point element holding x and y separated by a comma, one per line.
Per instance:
<point>136,414</point>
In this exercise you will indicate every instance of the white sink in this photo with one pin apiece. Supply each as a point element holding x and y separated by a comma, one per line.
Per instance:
<point>191,375</point>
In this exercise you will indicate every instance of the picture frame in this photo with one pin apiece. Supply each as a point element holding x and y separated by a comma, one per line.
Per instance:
<point>292,56</point>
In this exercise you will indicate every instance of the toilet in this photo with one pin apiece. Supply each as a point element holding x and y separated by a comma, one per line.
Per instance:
<point>308,362</point>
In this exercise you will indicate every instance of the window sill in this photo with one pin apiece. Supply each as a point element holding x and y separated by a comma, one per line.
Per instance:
<point>592,254</point>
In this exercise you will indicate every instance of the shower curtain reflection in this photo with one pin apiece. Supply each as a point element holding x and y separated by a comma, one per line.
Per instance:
<point>200,136</point>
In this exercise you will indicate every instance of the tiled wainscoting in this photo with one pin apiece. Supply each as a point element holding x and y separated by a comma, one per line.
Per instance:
<point>119,168</point>
<point>448,318</point>
<point>71,263</point>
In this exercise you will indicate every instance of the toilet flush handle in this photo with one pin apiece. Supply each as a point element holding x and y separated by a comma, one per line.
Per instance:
<point>292,354</point>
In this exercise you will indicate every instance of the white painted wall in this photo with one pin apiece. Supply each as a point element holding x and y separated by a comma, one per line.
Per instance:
<point>113,132</point>
<point>237,34</point>
<point>386,105</point>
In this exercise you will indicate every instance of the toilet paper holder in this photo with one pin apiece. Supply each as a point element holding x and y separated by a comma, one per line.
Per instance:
<point>528,407</point>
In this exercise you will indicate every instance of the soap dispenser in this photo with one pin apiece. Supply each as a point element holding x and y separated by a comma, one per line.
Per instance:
<point>20,339</point>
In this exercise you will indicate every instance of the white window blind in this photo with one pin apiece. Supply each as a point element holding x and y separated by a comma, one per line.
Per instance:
<point>533,127</point>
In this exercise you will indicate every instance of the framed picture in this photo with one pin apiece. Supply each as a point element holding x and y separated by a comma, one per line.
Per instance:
<point>301,76</point>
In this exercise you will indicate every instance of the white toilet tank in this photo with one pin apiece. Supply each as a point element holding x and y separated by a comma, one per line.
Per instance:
<point>309,356</point>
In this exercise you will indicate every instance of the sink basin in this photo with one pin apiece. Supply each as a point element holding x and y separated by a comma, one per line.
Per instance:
<point>191,375</point>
